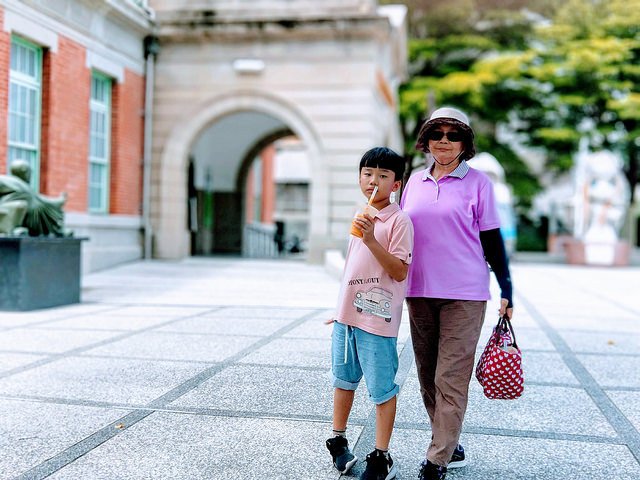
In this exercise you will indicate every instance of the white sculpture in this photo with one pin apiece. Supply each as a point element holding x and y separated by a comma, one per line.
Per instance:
<point>601,201</point>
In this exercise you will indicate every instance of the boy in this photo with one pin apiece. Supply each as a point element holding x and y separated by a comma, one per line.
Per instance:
<point>365,327</point>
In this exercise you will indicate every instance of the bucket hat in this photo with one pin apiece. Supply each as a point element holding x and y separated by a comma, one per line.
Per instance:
<point>451,114</point>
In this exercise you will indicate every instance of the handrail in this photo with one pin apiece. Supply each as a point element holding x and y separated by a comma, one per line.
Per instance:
<point>258,241</point>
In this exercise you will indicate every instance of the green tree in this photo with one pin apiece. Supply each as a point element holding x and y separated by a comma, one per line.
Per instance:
<point>460,70</point>
<point>577,77</point>
<point>583,78</point>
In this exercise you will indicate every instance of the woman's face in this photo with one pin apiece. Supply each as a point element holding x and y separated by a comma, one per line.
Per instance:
<point>445,149</point>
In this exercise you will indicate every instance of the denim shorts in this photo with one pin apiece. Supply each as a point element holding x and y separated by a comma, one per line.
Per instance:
<point>362,353</point>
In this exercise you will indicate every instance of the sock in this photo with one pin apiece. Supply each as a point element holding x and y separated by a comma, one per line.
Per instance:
<point>340,433</point>
<point>384,452</point>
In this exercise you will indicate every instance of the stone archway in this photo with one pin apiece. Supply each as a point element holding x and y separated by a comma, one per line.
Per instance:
<point>327,71</point>
<point>171,236</point>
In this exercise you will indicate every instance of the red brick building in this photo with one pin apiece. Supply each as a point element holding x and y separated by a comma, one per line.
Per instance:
<point>230,78</point>
<point>72,99</point>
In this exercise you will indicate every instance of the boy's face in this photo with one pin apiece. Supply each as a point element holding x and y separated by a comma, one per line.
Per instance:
<point>383,178</point>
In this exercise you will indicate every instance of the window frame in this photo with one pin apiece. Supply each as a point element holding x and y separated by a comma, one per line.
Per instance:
<point>33,83</point>
<point>105,107</point>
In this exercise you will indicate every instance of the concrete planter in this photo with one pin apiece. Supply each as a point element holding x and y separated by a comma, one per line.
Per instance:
<point>579,253</point>
<point>39,272</point>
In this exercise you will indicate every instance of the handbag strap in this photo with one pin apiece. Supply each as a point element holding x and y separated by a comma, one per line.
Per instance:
<point>505,325</point>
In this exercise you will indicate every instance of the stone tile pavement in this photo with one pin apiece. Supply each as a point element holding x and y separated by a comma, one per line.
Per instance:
<point>219,369</point>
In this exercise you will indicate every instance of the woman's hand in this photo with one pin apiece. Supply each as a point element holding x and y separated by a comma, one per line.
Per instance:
<point>504,310</point>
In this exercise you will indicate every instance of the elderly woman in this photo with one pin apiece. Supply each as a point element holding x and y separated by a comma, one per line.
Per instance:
<point>457,232</point>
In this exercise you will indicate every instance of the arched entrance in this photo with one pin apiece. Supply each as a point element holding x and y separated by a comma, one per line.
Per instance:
<point>221,140</point>
<point>326,72</point>
<point>238,197</point>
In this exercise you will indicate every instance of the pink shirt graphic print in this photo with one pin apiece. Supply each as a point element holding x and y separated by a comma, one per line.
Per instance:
<point>369,298</point>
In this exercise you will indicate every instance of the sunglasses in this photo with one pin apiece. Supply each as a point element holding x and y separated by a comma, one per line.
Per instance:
<point>436,135</point>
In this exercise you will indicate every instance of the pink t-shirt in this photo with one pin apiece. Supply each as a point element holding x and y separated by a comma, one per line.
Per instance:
<point>448,216</point>
<point>369,298</point>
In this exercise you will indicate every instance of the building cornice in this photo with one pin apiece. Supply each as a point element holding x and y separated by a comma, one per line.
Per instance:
<point>38,22</point>
<point>267,9</point>
<point>129,13</point>
<point>197,25</point>
<point>135,13</point>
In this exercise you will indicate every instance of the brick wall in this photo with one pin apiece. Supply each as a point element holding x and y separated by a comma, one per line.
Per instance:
<point>127,129</point>
<point>64,139</point>
<point>66,88</point>
<point>65,116</point>
<point>5,47</point>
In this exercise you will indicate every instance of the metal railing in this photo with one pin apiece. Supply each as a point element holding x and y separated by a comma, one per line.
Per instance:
<point>258,241</point>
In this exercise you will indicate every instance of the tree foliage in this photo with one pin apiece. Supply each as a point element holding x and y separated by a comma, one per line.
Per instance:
<point>551,83</point>
<point>585,80</point>
<point>465,69</point>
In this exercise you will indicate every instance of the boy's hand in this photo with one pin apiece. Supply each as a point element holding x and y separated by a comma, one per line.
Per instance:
<point>329,321</point>
<point>365,224</point>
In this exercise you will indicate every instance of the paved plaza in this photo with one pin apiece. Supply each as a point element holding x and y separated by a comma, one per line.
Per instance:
<point>219,369</point>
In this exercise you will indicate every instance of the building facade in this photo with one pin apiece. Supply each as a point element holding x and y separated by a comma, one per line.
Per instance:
<point>149,114</point>
<point>232,77</point>
<point>72,89</point>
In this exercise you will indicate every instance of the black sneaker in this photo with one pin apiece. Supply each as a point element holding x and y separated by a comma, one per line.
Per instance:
<point>431,471</point>
<point>379,467</point>
<point>458,459</point>
<point>343,459</point>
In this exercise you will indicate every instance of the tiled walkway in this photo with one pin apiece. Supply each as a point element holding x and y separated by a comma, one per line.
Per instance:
<point>219,369</point>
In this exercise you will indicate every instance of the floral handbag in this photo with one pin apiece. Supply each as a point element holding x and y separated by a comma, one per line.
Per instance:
<point>499,369</point>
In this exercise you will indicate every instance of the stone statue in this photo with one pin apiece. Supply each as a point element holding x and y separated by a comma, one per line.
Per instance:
<point>24,211</point>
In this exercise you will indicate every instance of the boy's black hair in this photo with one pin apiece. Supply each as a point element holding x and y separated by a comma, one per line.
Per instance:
<point>383,157</point>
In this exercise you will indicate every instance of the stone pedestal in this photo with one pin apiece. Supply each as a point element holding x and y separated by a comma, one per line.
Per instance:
<point>579,253</point>
<point>39,272</point>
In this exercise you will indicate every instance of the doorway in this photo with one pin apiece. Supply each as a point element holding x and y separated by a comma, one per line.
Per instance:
<point>248,188</point>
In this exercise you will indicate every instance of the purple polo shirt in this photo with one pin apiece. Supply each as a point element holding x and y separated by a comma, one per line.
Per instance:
<point>448,215</point>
